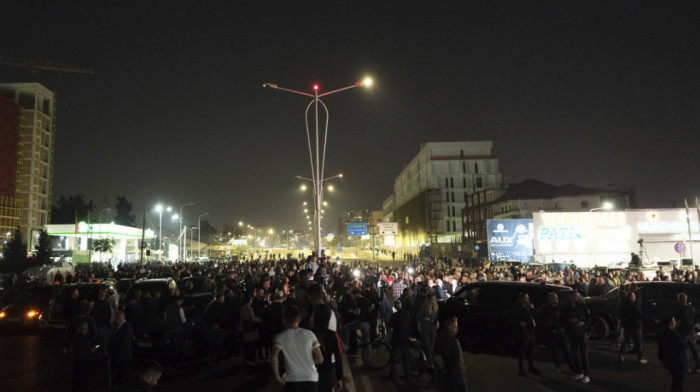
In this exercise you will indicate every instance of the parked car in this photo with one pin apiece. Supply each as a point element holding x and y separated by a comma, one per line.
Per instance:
<point>199,284</point>
<point>123,286</point>
<point>159,340</point>
<point>483,310</point>
<point>658,299</point>
<point>163,285</point>
<point>52,318</point>
<point>23,310</point>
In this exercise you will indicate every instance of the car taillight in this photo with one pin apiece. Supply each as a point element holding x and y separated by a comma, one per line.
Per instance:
<point>2,314</point>
<point>32,314</point>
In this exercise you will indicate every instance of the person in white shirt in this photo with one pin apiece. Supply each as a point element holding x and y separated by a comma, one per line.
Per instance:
<point>302,352</point>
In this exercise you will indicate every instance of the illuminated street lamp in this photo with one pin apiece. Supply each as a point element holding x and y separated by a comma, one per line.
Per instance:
<point>181,234</point>
<point>606,206</point>
<point>159,209</point>
<point>318,167</point>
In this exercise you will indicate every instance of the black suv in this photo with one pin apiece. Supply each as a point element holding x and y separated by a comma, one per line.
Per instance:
<point>659,299</point>
<point>483,310</point>
<point>52,318</point>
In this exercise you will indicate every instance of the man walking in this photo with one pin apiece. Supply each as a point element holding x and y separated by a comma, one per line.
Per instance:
<point>400,323</point>
<point>631,317</point>
<point>121,348</point>
<point>451,352</point>
<point>548,316</point>
<point>685,317</point>
<point>524,317</point>
<point>576,315</point>
<point>302,352</point>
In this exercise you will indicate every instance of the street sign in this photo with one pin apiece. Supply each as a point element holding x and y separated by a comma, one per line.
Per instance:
<point>679,247</point>
<point>388,228</point>
<point>357,229</point>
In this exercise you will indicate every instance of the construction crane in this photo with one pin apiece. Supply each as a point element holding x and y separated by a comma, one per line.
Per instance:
<point>39,65</point>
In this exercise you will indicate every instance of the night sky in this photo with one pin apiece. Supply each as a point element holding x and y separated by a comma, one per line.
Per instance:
<point>600,94</point>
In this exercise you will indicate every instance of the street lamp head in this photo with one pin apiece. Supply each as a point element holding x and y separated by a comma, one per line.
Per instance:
<point>176,217</point>
<point>303,187</point>
<point>366,82</point>
<point>607,205</point>
<point>240,223</point>
<point>159,208</point>
<point>270,85</point>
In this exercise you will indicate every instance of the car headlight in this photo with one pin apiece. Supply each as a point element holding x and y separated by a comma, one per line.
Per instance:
<point>32,314</point>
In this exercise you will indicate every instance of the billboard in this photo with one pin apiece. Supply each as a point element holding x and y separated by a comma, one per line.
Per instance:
<point>603,238</point>
<point>388,228</point>
<point>357,229</point>
<point>510,239</point>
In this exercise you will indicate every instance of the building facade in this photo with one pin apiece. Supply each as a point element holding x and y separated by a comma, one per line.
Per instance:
<point>356,216</point>
<point>34,154</point>
<point>431,191</point>
<point>522,200</point>
<point>10,166</point>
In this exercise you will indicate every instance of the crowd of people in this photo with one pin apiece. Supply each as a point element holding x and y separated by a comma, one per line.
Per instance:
<point>313,309</point>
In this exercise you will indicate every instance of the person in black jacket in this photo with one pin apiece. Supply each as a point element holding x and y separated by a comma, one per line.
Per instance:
<point>631,318</point>
<point>672,352</point>
<point>685,321</point>
<point>330,348</point>
<point>121,348</point>
<point>451,352</point>
<point>83,355</point>
<point>400,323</point>
<point>218,318</point>
<point>523,315</point>
<point>548,318</point>
<point>576,316</point>
<point>148,378</point>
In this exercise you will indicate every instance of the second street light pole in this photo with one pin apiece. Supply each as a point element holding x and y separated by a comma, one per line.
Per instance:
<point>317,167</point>
<point>199,234</point>
<point>182,251</point>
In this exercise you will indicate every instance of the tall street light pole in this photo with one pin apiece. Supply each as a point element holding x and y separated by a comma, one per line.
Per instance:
<point>159,209</point>
<point>318,167</point>
<point>182,251</point>
<point>199,234</point>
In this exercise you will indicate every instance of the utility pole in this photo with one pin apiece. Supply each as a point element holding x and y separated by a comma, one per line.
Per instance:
<point>143,234</point>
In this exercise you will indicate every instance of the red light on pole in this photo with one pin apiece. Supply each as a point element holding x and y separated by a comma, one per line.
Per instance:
<point>315,87</point>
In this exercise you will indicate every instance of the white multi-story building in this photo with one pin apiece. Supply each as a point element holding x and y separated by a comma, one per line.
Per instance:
<point>432,189</point>
<point>37,130</point>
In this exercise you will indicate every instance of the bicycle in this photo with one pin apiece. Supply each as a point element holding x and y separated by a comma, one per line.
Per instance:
<point>379,356</point>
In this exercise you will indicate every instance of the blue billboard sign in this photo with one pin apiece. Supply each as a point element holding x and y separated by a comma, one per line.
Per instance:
<point>511,239</point>
<point>357,228</point>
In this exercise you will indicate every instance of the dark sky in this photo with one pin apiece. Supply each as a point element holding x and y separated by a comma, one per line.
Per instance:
<point>592,93</point>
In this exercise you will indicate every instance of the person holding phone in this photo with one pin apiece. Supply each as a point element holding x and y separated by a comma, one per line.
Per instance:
<point>83,355</point>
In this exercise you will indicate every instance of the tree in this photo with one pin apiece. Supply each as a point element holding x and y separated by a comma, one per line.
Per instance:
<point>103,245</point>
<point>228,231</point>
<point>207,230</point>
<point>14,254</point>
<point>65,210</point>
<point>43,249</point>
<point>124,216</point>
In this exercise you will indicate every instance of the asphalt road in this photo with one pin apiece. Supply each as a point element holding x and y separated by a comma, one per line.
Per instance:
<point>28,363</point>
